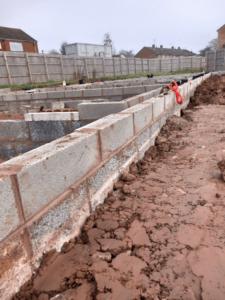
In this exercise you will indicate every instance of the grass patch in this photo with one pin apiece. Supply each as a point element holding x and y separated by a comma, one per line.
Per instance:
<point>52,83</point>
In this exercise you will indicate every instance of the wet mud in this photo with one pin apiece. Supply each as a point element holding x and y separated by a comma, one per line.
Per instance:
<point>160,233</point>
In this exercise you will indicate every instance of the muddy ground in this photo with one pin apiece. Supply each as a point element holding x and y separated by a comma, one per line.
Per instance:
<point>211,92</point>
<point>160,234</point>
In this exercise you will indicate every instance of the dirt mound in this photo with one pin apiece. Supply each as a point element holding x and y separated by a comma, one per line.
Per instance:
<point>212,91</point>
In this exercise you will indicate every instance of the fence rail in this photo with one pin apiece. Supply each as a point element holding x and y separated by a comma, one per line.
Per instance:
<point>20,68</point>
<point>215,60</point>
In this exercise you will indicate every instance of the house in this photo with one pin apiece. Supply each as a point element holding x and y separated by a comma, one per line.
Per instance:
<point>88,50</point>
<point>13,39</point>
<point>154,52</point>
<point>221,37</point>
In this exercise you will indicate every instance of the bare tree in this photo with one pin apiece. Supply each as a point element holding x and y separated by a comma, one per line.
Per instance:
<point>127,53</point>
<point>53,51</point>
<point>62,48</point>
<point>109,42</point>
<point>212,46</point>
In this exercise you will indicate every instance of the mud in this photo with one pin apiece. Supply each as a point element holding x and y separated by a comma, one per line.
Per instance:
<point>160,233</point>
<point>212,91</point>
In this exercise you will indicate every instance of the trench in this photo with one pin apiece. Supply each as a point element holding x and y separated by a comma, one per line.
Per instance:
<point>160,232</point>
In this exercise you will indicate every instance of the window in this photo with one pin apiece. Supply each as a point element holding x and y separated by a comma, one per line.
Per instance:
<point>16,46</point>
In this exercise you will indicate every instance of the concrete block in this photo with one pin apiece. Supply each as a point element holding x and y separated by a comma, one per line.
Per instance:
<point>47,131</point>
<point>28,117</point>
<point>74,125</point>
<point>156,92</point>
<point>128,154</point>
<point>3,103</point>
<point>133,101</point>
<point>9,97</point>
<point>56,95</point>
<point>134,90</point>
<point>73,104</point>
<point>51,169</point>
<point>92,93</point>
<point>4,91</point>
<point>11,130</point>
<point>118,98</point>
<point>57,105</point>
<point>7,150</point>
<point>138,83</point>
<point>52,116</point>
<point>23,97</point>
<point>114,131</point>
<point>95,111</point>
<point>73,94</point>
<point>112,91</point>
<point>38,96</point>
<point>169,99</point>
<point>25,147</point>
<point>50,89</point>
<point>142,115</point>
<point>158,106</point>
<point>8,210</point>
<point>60,89</point>
<point>153,87</point>
<point>75,116</point>
<point>68,88</point>
<point>147,96</point>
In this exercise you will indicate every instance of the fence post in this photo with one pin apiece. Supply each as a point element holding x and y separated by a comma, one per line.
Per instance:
<point>142,65</point>
<point>85,64</point>
<point>128,66</point>
<point>114,67</point>
<point>29,70</point>
<point>121,66</point>
<point>215,61</point>
<point>148,65</point>
<point>75,67</point>
<point>46,68</point>
<point>60,58</point>
<point>7,68</point>
<point>171,64</point>
<point>95,71</point>
<point>103,64</point>
<point>160,65</point>
<point>180,59</point>
<point>135,66</point>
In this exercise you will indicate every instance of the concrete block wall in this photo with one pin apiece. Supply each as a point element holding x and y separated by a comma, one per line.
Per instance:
<point>28,102</point>
<point>18,137</point>
<point>50,191</point>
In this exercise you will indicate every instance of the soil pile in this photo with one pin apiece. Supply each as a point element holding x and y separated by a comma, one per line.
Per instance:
<point>212,91</point>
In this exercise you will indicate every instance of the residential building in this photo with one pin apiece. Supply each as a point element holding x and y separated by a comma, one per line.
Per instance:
<point>13,39</point>
<point>221,37</point>
<point>154,52</point>
<point>88,50</point>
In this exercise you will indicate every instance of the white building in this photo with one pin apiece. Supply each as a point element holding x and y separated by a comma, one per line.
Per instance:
<point>88,50</point>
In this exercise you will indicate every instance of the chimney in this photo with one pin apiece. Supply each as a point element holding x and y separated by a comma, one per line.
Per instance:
<point>178,48</point>
<point>172,47</point>
<point>161,46</point>
<point>153,46</point>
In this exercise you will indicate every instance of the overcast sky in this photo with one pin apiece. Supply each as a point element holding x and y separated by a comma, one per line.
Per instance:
<point>132,24</point>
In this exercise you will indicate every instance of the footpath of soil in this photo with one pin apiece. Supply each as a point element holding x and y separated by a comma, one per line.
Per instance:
<point>160,233</point>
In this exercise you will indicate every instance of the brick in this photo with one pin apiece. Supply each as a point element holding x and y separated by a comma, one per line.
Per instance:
<point>47,131</point>
<point>24,97</point>
<point>73,94</point>
<point>71,157</point>
<point>95,111</point>
<point>9,98</point>
<point>13,131</point>
<point>56,95</point>
<point>142,115</point>
<point>158,106</point>
<point>112,91</point>
<point>114,131</point>
<point>92,93</point>
<point>38,96</point>
<point>8,210</point>
<point>134,90</point>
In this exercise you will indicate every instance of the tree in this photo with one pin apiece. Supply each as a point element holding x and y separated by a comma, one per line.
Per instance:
<point>128,53</point>
<point>53,51</point>
<point>109,42</point>
<point>212,46</point>
<point>62,48</point>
